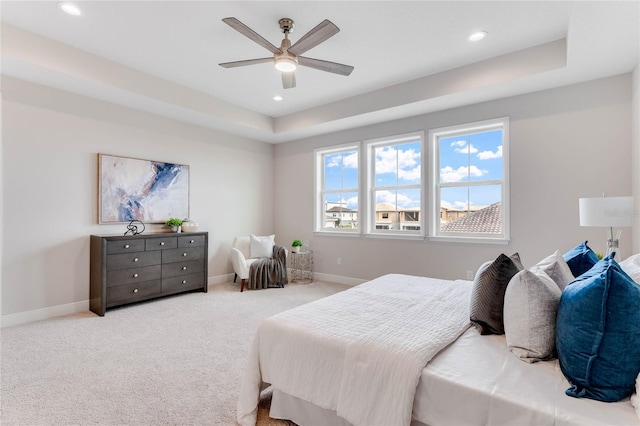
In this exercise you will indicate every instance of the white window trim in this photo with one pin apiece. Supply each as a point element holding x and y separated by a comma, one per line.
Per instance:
<point>318,183</point>
<point>369,229</point>
<point>434,192</point>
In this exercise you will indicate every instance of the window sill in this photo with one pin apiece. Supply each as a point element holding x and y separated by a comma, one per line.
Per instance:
<point>470,240</point>
<point>395,236</point>
<point>338,233</point>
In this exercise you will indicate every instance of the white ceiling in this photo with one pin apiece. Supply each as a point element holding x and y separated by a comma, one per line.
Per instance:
<point>410,57</point>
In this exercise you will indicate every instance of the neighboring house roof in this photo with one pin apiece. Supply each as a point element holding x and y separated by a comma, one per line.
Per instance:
<point>486,221</point>
<point>471,208</point>
<point>338,209</point>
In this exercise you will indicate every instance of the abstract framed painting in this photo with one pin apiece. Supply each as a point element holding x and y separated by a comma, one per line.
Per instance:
<point>144,190</point>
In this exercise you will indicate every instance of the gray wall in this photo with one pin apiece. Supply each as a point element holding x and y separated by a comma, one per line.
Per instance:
<point>566,143</point>
<point>51,142</point>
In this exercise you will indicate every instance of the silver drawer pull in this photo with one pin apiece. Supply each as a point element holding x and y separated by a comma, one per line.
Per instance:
<point>184,268</point>
<point>136,259</point>
<point>135,275</point>
<point>135,290</point>
<point>184,281</point>
<point>184,254</point>
<point>162,243</point>
<point>126,246</point>
<point>191,242</point>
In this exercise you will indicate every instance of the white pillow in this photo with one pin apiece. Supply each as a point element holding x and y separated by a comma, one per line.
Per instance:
<point>556,268</point>
<point>631,265</point>
<point>261,246</point>
<point>635,398</point>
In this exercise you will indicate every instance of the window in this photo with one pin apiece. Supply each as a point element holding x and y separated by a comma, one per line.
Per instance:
<point>337,189</point>
<point>470,180</point>
<point>395,184</point>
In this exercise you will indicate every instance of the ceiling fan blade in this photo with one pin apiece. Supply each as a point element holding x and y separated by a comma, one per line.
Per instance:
<point>317,35</point>
<point>244,63</point>
<point>248,32</point>
<point>288,80</point>
<point>327,66</point>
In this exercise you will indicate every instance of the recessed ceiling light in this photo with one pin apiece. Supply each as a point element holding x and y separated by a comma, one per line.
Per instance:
<point>277,98</point>
<point>478,35</point>
<point>70,8</point>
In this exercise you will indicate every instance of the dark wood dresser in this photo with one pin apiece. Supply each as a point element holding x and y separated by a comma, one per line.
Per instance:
<point>140,267</point>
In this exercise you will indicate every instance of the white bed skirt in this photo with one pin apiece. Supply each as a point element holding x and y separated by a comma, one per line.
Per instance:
<point>303,413</point>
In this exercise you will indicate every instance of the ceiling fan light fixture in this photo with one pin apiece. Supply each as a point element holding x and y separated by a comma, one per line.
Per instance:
<point>70,8</point>
<point>286,64</point>
<point>477,36</point>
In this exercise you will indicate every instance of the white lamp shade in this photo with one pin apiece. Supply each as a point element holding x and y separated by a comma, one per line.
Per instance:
<point>616,212</point>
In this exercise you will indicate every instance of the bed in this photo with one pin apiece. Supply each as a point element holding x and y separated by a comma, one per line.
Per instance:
<point>405,353</point>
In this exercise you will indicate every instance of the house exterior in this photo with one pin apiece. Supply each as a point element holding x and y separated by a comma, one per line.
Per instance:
<point>338,216</point>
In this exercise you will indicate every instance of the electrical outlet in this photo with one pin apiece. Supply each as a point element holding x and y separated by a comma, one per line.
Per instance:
<point>469,275</point>
<point>339,261</point>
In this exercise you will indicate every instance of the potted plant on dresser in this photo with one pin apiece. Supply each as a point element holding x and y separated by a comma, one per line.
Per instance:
<point>174,223</point>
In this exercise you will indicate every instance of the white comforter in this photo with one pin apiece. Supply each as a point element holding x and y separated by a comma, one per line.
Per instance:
<point>359,352</point>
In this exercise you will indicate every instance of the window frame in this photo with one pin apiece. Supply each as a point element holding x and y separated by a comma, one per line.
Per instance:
<point>369,146</point>
<point>320,191</point>
<point>500,123</point>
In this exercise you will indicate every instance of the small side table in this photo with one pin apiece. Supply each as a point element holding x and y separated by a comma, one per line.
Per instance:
<point>302,267</point>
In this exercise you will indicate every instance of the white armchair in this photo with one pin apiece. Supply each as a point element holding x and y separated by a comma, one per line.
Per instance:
<point>241,259</point>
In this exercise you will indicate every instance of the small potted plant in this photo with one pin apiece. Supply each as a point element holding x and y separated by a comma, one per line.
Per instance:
<point>174,223</point>
<point>296,244</point>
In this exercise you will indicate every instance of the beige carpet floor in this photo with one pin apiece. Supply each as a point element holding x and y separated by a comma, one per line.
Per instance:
<point>172,361</point>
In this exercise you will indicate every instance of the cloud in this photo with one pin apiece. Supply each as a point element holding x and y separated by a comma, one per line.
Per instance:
<point>449,174</point>
<point>460,143</point>
<point>469,149</point>
<point>401,162</point>
<point>390,197</point>
<point>489,155</point>
<point>352,202</point>
<point>457,205</point>
<point>349,161</point>
<point>412,174</point>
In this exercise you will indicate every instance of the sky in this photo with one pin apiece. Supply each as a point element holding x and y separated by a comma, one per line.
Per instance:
<point>467,158</point>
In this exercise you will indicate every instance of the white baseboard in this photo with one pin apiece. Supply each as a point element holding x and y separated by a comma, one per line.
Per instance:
<point>44,313</point>
<point>338,279</point>
<point>219,279</point>
<point>83,306</point>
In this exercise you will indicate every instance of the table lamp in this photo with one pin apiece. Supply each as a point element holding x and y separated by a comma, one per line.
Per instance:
<point>607,212</point>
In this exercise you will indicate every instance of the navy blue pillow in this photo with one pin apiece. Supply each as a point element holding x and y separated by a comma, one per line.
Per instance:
<point>598,333</point>
<point>580,259</point>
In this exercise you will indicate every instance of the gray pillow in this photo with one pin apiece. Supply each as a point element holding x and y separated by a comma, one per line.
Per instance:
<point>556,268</point>
<point>487,296</point>
<point>530,308</point>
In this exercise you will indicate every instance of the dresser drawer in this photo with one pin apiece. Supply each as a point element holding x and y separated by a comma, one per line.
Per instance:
<point>133,275</point>
<point>191,241</point>
<point>132,260</point>
<point>133,292</point>
<point>182,254</point>
<point>185,282</point>
<point>124,246</point>
<point>161,243</point>
<point>182,268</point>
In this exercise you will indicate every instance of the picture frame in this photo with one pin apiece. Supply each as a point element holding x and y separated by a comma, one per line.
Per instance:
<point>144,190</point>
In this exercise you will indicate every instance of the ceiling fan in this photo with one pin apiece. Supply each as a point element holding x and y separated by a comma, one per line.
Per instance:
<point>287,57</point>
